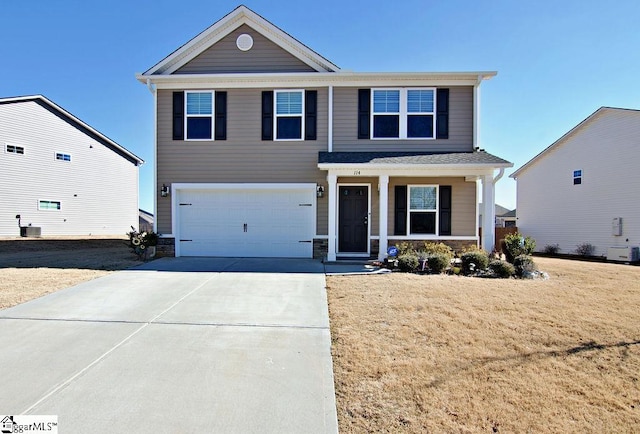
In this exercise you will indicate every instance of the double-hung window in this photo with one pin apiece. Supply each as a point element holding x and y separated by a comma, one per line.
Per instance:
<point>199,119</point>
<point>423,209</point>
<point>289,110</point>
<point>577,177</point>
<point>403,113</point>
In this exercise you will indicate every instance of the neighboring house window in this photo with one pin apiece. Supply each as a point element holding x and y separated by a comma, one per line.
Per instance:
<point>63,157</point>
<point>48,205</point>
<point>577,177</point>
<point>13,149</point>
<point>199,119</point>
<point>289,110</point>
<point>403,113</point>
<point>423,209</point>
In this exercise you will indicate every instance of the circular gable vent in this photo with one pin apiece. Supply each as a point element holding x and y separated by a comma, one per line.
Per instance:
<point>244,42</point>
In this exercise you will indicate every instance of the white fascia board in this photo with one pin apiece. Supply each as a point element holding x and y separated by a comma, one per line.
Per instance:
<point>243,186</point>
<point>404,170</point>
<point>239,16</point>
<point>314,79</point>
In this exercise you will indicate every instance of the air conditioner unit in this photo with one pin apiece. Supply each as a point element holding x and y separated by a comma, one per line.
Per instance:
<point>624,254</point>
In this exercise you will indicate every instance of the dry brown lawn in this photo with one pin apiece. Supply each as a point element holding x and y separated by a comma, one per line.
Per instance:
<point>455,354</point>
<point>30,268</point>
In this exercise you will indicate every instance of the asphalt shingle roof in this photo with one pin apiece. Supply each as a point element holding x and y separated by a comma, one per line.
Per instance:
<point>477,157</point>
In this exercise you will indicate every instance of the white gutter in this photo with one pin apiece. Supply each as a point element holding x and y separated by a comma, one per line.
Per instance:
<point>330,127</point>
<point>499,175</point>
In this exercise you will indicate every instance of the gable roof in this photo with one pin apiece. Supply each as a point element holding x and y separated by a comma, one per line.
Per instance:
<point>227,24</point>
<point>76,123</point>
<point>568,135</point>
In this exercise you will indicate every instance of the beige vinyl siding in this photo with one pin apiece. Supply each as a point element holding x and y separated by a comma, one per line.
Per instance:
<point>463,202</point>
<point>97,189</point>
<point>225,57</point>
<point>243,157</point>
<point>460,126</point>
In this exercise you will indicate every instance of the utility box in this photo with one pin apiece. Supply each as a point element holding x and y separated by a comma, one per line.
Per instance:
<point>623,254</point>
<point>30,231</point>
<point>616,226</point>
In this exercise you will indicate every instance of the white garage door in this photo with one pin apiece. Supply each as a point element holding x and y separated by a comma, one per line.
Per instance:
<point>236,221</point>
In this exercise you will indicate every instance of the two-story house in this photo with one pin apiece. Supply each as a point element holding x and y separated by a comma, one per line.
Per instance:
<point>60,175</point>
<point>266,148</point>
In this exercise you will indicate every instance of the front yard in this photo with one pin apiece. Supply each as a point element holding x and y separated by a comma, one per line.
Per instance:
<point>418,353</point>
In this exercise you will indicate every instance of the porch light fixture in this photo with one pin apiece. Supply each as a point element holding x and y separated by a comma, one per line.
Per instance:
<point>164,191</point>
<point>320,190</point>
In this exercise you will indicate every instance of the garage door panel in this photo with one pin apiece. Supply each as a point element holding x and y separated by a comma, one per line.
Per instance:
<point>247,222</point>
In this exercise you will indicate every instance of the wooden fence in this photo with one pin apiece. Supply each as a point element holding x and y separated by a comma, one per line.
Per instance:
<point>500,234</point>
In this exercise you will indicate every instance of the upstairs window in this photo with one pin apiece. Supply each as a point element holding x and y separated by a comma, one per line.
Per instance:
<point>48,205</point>
<point>289,109</point>
<point>199,116</point>
<point>63,157</point>
<point>13,149</point>
<point>577,177</point>
<point>423,209</point>
<point>403,113</point>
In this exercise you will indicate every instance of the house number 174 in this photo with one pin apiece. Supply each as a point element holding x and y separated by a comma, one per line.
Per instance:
<point>356,172</point>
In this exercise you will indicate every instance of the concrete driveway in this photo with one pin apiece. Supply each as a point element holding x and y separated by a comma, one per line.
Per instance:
<point>178,345</point>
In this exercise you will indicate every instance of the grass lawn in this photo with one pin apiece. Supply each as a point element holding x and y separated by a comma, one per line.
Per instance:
<point>31,268</point>
<point>455,354</point>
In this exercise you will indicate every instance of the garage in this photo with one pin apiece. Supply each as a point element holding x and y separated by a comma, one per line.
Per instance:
<point>240,220</point>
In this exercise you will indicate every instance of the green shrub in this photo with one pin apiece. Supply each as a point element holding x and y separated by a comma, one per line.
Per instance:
<point>551,249</point>
<point>438,262</point>
<point>502,269</point>
<point>408,262</point>
<point>438,249</point>
<point>517,245</point>
<point>474,261</point>
<point>524,264</point>
<point>405,248</point>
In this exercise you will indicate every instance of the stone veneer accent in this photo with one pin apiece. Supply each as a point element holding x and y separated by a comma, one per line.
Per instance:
<point>320,248</point>
<point>166,247</point>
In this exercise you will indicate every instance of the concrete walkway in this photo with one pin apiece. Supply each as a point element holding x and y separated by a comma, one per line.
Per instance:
<point>177,345</point>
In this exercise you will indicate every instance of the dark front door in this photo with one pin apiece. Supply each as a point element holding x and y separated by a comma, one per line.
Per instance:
<point>353,219</point>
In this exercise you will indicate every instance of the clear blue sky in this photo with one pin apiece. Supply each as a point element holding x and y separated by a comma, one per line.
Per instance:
<point>557,61</point>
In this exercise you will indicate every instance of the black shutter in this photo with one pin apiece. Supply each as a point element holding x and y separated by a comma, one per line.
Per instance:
<point>310,118</point>
<point>364,113</point>
<point>178,115</point>
<point>442,114</point>
<point>400,210</point>
<point>445,210</point>
<point>221,116</point>
<point>267,115</point>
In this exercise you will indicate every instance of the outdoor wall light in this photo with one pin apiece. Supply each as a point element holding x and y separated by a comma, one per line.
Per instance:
<point>164,191</point>
<point>320,190</point>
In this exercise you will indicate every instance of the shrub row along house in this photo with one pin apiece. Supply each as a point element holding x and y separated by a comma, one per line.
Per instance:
<point>265,148</point>
<point>60,175</point>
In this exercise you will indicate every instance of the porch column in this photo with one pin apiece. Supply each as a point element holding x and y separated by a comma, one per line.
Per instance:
<point>383,185</point>
<point>332,198</point>
<point>488,213</point>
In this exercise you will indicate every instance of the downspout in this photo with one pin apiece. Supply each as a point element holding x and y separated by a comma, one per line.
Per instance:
<point>476,112</point>
<point>330,123</point>
<point>152,89</point>
<point>498,176</point>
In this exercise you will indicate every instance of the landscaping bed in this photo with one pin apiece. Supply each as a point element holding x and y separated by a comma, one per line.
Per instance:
<point>443,353</point>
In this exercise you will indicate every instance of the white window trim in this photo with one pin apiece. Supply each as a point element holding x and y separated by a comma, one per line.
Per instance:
<point>212,116</point>
<point>403,114</point>
<point>55,156</point>
<point>6,151</point>
<point>436,210</point>
<point>276,115</point>
<point>49,209</point>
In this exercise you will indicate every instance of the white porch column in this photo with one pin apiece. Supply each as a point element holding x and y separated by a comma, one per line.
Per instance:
<point>333,200</point>
<point>488,213</point>
<point>383,185</point>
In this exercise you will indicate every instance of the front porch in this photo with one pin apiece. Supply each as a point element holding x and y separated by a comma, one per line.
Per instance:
<point>380,199</point>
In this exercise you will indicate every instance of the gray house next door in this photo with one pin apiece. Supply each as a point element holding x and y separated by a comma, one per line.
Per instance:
<point>353,219</point>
